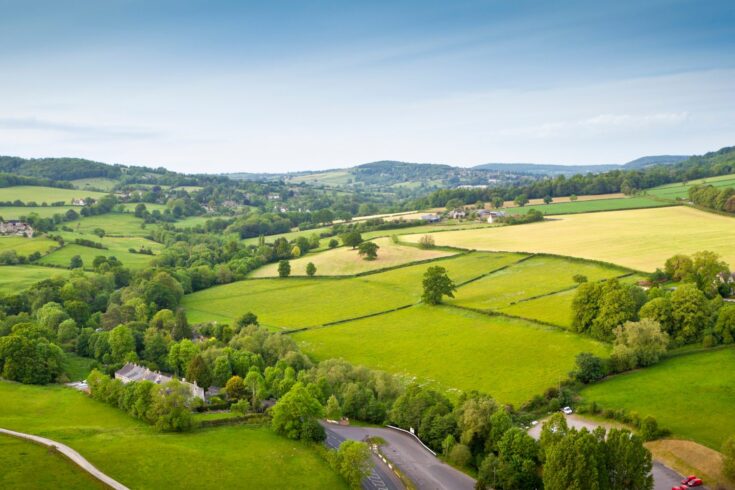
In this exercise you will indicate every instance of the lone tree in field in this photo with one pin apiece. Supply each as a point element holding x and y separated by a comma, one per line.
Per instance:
<point>352,239</point>
<point>436,285</point>
<point>76,262</point>
<point>548,199</point>
<point>310,269</point>
<point>426,242</point>
<point>521,200</point>
<point>368,250</point>
<point>284,268</point>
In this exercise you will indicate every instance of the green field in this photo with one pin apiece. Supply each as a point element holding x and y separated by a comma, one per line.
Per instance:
<point>116,246</point>
<point>553,308</point>
<point>138,457</point>
<point>15,212</point>
<point>31,466</point>
<point>39,194</point>
<point>27,246</point>
<point>641,239</point>
<point>513,360</point>
<point>96,183</point>
<point>344,261</point>
<point>332,177</point>
<point>114,224</point>
<point>591,206</point>
<point>528,279</point>
<point>681,189</point>
<point>692,395</point>
<point>15,278</point>
<point>192,221</point>
<point>301,302</point>
<point>129,207</point>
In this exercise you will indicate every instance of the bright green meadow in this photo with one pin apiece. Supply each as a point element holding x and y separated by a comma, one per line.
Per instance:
<point>15,278</point>
<point>512,360</point>
<point>692,395</point>
<point>139,457</point>
<point>40,194</point>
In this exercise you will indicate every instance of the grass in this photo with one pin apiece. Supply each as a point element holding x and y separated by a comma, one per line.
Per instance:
<point>681,189</point>
<point>553,308</point>
<point>528,279</point>
<point>192,221</point>
<point>15,278</point>
<point>302,302</point>
<point>129,207</point>
<point>331,177</point>
<point>138,457</point>
<point>30,466</point>
<point>209,416</point>
<point>96,183</point>
<point>16,212</point>
<point>77,368</point>
<point>513,360</point>
<point>640,239</point>
<point>26,246</point>
<point>591,206</point>
<point>346,261</point>
<point>114,224</point>
<point>40,194</point>
<point>692,395</point>
<point>116,246</point>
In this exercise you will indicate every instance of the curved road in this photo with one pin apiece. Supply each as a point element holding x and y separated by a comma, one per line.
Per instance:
<point>424,469</point>
<point>74,456</point>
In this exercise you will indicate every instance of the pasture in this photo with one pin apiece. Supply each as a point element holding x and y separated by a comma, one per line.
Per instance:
<point>344,261</point>
<point>589,206</point>
<point>512,360</point>
<point>31,466</point>
<point>129,207</point>
<point>553,308</point>
<point>116,246</point>
<point>27,246</point>
<point>138,457</point>
<point>16,212</point>
<point>40,194</point>
<point>641,239</point>
<point>308,302</point>
<point>15,278</point>
<point>95,183</point>
<point>534,277</point>
<point>680,190</point>
<point>114,224</point>
<point>692,395</point>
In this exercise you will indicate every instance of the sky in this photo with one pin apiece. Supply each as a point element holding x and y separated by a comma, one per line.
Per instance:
<point>240,86</point>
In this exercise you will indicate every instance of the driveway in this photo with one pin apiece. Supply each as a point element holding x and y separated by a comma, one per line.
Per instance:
<point>424,469</point>
<point>664,478</point>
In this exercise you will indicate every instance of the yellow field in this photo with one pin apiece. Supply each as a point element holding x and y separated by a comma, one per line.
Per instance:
<point>345,261</point>
<point>641,239</point>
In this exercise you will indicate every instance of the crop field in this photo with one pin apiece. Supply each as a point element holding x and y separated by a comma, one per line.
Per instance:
<point>681,189</point>
<point>39,194</point>
<point>26,246</point>
<point>15,212</point>
<point>692,395</point>
<point>344,261</point>
<point>15,278</point>
<point>30,466</point>
<point>116,246</point>
<point>101,183</point>
<point>114,224</point>
<point>138,457</point>
<point>513,360</point>
<point>641,239</point>
<point>534,277</point>
<point>589,206</point>
<point>303,302</point>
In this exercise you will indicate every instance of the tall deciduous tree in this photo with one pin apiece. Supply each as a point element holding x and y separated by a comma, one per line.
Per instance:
<point>199,371</point>
<point>296,413</point>
<point>436,285</point>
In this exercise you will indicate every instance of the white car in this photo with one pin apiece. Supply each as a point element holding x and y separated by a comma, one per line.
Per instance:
<point>567,410</point>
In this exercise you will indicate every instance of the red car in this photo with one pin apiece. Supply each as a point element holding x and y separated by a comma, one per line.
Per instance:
<point>691,481</point>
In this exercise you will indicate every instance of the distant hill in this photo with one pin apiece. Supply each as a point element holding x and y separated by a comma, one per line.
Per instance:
<point>644,162</point>
<point>547,169</point>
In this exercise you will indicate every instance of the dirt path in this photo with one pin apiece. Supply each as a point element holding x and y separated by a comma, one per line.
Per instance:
<point>74,456</point>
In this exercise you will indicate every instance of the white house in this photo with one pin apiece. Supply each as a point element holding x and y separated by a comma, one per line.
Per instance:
<point>132,372</point>
<point>492,216</point>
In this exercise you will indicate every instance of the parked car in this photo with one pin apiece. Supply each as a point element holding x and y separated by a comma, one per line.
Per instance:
<point>567,410</point>
<point>691,481</point>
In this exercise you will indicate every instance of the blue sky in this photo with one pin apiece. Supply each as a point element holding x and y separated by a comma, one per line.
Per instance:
<point>274,86</point>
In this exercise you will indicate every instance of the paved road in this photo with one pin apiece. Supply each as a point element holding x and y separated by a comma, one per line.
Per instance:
<point>424,469</point>
<point>664,478</point>
<point>381,478</point>
<point>74,456</point>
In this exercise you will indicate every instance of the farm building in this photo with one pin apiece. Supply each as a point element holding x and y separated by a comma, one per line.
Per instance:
<point>458,214</point>
<point>431,218</point>
<point>492,216</point>
<point>132,372</point>
<point>17,228</point>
